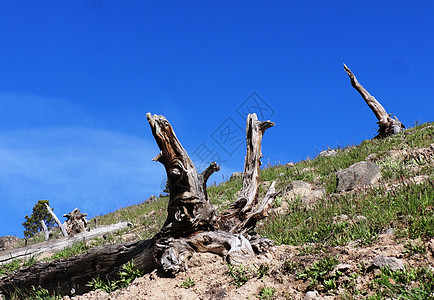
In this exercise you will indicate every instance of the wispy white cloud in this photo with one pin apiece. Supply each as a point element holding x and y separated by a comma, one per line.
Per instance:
<point>97,170</point>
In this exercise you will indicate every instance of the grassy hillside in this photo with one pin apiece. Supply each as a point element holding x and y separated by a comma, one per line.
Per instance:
<point>397,202</point>
<point>402,203</point>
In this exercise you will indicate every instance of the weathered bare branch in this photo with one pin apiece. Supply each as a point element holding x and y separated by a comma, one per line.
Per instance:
<point>189,209</point>
<point>387,125</point>
<point>57,220</point>
<point>245,212</point>
<point>45,229</point>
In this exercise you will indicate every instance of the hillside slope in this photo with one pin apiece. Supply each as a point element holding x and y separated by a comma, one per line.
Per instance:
<point>333,244</point>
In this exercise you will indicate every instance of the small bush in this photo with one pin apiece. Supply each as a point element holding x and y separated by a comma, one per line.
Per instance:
<point>318,273</point>
<point>188,283</point>
<point>263,270</point>
<point>266,293</point>
<point>128,273</point>
<point>240,274</point>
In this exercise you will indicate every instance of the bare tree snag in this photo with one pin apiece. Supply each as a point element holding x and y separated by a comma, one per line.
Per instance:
<point>200,229</point>
<point>189,209</point>
<point>45,229</point>
<point>75,222</point>
<point>57,220</point>
<point>191,224</point>
<point>247,210</point>
<point>387,124</point>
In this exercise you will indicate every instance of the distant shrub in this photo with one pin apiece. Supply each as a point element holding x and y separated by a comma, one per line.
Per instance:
<point>33,223</point>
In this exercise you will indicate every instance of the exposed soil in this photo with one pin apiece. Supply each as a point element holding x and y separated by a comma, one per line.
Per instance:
<point>210,273</point>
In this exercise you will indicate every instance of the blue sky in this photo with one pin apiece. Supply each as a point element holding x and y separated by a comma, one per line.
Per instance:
<point>77,78</point>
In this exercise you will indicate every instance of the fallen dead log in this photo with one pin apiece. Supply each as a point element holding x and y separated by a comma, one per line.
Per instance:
<point>191,224</point>
<point>70,276</point>
<point>387,125</point>
<point>53,246</point>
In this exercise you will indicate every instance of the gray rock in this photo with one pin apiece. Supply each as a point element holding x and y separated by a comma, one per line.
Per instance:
<point>392,262</point>
<point>390,231</point>
<point>151,199</point>
<point>236,175</point>
<point>8,242</point>
<point>343,267</point>
<point>431,246</point>
<point>340,219</point>
<point>299,186</point>
<point>303,191</point>
<point>311,295</point>
<point>358,175</point>
<point>327,153</point>
<point>372,157</point>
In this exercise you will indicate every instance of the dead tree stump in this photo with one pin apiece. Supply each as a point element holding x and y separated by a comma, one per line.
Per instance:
<point>75,222</point>
<point>387,125</point>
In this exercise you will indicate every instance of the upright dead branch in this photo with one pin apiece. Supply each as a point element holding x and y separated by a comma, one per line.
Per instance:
<point>46,231</point>
<point>387,125</point>
<point>57,220</point>
<point>189,209</point>
<point>242,216</point>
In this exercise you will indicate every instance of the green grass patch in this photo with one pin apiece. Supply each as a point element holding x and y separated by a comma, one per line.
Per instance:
<point>403,284</point>
<point>406,207</point>
<point>319,273</point>
<point>128,273</point>
<point>75,249</point>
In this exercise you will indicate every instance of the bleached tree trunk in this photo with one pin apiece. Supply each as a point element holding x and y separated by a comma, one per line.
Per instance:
<point>57,220</point>
<point>46,232</point>
<point>387,125</point>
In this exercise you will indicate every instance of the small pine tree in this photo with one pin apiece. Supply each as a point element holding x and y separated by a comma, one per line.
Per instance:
<point>33,223</point>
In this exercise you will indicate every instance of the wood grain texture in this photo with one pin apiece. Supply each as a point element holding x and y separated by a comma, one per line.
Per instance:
<point>242,216</point>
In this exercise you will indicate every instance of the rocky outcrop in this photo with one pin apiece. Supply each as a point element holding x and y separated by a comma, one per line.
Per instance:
<point>327,153</point>
<point>304,192</point>
<point>8,242</point>
<point>236,175</point>
<point>358,175</point>
<point>393,263</point>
